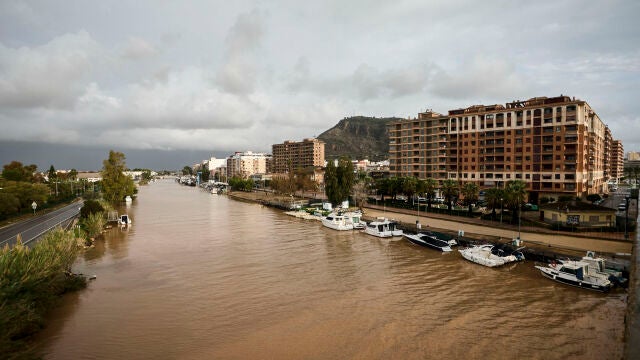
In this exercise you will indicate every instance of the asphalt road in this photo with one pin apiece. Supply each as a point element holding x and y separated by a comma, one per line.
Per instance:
<point>34,227</point>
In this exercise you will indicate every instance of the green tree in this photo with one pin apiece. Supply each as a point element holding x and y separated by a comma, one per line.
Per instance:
<point>115,184</point>
<point>516,193</point>
<point>450,191</point>
<point>409,186</point>
<point>53,175</point>
<point>470,192</point>
<point>9,205</point>
<point>187,170</point>
<point>430,186</point>
<point>339,180</point>
<point>15,171</point>
<point>494,198</point>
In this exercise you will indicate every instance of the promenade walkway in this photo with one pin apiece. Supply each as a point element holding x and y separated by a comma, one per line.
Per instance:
<point>472,226</point>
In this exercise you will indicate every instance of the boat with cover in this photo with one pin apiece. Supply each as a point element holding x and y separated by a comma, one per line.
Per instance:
<point>575,273</point>
<point>124,220</point>
<point>427,240</point>
<point>337,222</point>
<point>489,255</point>
<point>383,227</point>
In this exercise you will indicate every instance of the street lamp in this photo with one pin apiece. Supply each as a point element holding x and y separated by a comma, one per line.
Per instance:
<point>34,206</point>
<point>501,209</point>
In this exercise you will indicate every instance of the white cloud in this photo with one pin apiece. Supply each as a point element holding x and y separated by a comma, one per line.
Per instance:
<point>50,75</point>
<point>239,71</point>
<point>137,48</point>
<point>479,78</point>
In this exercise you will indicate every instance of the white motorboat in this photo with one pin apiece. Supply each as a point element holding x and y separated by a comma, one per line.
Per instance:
<point>487,255</point>
<point>355,219</point>
<point>575,273</point>
<point>598,265</point>
<point>128,199</point>
<point>383,227</point>
<point>427,240</point>
<point>337,222</point>
<point>124,220</point>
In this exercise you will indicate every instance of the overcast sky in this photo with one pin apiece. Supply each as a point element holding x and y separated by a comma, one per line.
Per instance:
<point>214,77</point>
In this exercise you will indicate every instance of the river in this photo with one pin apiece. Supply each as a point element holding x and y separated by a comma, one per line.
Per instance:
<point>201,276</point>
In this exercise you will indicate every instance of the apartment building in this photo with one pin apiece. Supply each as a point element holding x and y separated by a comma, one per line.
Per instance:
<point>245,164</point>
<point>556,145</point>
<point>617,160</point>
<point>292,155</point>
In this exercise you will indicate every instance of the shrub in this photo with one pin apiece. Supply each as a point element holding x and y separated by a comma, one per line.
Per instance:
<point>30,285</point>
<point>93,224</point>
<point>90,207</point>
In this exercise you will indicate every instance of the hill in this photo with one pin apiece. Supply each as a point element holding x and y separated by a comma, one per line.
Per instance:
<point>358,137</point>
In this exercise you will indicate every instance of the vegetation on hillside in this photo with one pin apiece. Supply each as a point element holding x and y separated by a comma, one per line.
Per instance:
<point>358,137</point>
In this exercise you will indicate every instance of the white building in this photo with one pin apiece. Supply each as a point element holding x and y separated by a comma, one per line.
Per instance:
<point>245,164</point>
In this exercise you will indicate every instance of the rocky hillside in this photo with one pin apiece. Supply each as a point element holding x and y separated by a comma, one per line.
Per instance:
<point>359,137</point>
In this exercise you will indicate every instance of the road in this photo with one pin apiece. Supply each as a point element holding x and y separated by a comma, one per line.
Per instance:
<point>34,227</point>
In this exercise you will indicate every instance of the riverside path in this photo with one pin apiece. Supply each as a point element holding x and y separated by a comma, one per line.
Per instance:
<point>550,239</point>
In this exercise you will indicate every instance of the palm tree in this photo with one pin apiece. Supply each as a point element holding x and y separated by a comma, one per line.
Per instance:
<point>430,186</point>
<point>470,192</point>
<point>494,197</point>
<point>516,192</point>
<point>409,186</point>
<point>449,191</point>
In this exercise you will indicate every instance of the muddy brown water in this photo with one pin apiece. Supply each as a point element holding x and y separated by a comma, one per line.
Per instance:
<point>200,276</point>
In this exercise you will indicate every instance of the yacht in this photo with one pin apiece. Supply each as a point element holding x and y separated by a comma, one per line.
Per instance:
<point>575,273</point>
<point>355,219</point>
<point>383,227</point>
<point>428,240</point>
<point>490,256</point>
<point>337,222</point>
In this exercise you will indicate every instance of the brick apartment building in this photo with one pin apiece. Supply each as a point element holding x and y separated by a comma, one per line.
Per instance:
<point>292,155</point>
<point>558,146</point>
<point>617,160</point>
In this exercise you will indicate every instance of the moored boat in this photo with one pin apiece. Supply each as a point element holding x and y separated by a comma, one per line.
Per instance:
<point>430,241</point>
<point>486,255</point>
<point>124,220</point>
<point>355,219</point>
<point>575,273</point>
<point>337,222</point>
<point>383,227</point>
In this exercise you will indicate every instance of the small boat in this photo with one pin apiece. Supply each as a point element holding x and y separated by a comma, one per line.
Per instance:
<point>575,273</point>
<point>128,199</point>
<point>488,255</point>
<point>337,222</point>
<point>427,240</point>
<point>383,228</point>
<point>124,220</point>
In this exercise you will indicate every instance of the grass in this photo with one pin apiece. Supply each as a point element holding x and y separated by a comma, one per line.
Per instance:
<point>31,282</point>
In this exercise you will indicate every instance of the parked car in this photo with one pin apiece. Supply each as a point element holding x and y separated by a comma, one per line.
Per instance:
<point>530,207</point>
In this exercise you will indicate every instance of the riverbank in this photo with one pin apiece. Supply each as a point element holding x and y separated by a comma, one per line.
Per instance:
<point>32,283</point>
<point>544,240</point>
